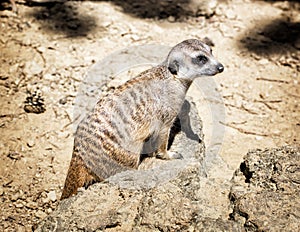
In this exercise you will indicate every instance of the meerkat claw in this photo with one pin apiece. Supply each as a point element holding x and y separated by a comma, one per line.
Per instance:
<point>169,155</point>
<point>175,155</point>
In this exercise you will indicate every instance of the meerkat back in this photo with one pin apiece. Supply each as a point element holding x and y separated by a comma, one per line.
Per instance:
<point>135,119</point>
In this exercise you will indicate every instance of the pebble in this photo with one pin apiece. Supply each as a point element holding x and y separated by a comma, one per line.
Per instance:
<point>48,76</point>
<point>40,214</point>
<point>171,19</point>
<point>41,49</point>
<point>15,197</point>
<point>52,196</point>
<point>32,205</point>
<point>258,138</point>
<point>30,143</point>
<point>263,61</point>
<point>19,205</point>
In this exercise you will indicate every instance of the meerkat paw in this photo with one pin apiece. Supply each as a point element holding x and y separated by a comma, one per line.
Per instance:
<point>169,155</point>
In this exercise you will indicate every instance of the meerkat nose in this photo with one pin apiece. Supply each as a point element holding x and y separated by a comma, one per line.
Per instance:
<point>220,68</point>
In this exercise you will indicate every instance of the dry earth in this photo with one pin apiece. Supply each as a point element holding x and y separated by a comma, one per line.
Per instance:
<point>50,45</point>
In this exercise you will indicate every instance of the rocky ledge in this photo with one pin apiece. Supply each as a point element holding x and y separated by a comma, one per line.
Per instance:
<point>181,195</point>
<point>266,190</point>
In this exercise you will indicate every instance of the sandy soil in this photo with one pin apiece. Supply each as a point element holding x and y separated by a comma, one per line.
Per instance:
<point>50,47</point>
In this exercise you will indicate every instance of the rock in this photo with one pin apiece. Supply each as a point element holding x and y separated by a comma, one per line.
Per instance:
<point>15,197</point>
<point>40,214</point>
<point>31,142</point>
<point>41,49</point>
<point>263,61</point>
<point>173,206</point>
<point>264,195</point>
<point>32,205</point>
<point>19,205</point>
<point>171,19</point>
<point>266,190</point>
<point>162,195</point>
<point>52,196</point>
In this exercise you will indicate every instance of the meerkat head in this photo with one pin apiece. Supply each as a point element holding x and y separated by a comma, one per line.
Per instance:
<point>192,58</point>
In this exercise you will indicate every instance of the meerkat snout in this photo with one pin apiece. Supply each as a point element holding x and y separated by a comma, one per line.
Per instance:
<point>193,58</point>
<point>220,68</point>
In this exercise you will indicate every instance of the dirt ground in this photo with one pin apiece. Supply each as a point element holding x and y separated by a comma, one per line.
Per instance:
<point>49,46</point>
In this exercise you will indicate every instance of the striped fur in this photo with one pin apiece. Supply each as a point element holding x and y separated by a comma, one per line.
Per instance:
<point>133,119</point>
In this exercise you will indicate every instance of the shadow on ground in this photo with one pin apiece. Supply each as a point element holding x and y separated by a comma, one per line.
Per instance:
<point>63,17</point>
<point>154,8</point>
<point>277,36</point>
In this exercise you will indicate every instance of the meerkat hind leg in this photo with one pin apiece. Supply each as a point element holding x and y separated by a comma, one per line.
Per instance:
<point>162,152</point>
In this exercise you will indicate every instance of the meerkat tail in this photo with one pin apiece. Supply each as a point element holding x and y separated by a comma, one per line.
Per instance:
<point>135,119</point>
<point>78,176</point>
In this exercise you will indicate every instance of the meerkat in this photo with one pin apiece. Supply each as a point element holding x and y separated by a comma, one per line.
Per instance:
<point>135,119</point>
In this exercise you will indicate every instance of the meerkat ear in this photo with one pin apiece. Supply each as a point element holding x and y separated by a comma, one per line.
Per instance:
<point>174,67</point>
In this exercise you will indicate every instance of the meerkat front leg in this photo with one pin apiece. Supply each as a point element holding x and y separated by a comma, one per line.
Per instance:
<point>162,152</point>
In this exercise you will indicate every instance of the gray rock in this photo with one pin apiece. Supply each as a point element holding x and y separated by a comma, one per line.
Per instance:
<point>161,196</point>
<point>266,190</point>
<point>173,206</point>
<point>264,195</point>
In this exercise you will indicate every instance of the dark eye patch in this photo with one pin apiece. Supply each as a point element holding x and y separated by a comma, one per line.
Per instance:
<point>201,59</point>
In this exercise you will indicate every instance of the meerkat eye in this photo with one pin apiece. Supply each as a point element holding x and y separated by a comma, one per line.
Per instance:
<point>202,59</point>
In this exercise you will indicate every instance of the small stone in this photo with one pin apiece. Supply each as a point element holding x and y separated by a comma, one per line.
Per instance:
<point>258,138</point>
<point>41,49</point>
<point>52,196</point>
<point>40,214</point>
<point>63,100</point>
<point>48,76</point>
<point>19,205</point>
<point>171,19</point>
<point>32,205</point>
<point>31,143</point>
<point>14,155</point>
<point>263,61</point>
<point>15,197</point>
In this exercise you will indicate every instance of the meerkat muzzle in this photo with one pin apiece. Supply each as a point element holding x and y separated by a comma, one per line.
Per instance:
<point>220,68</point>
